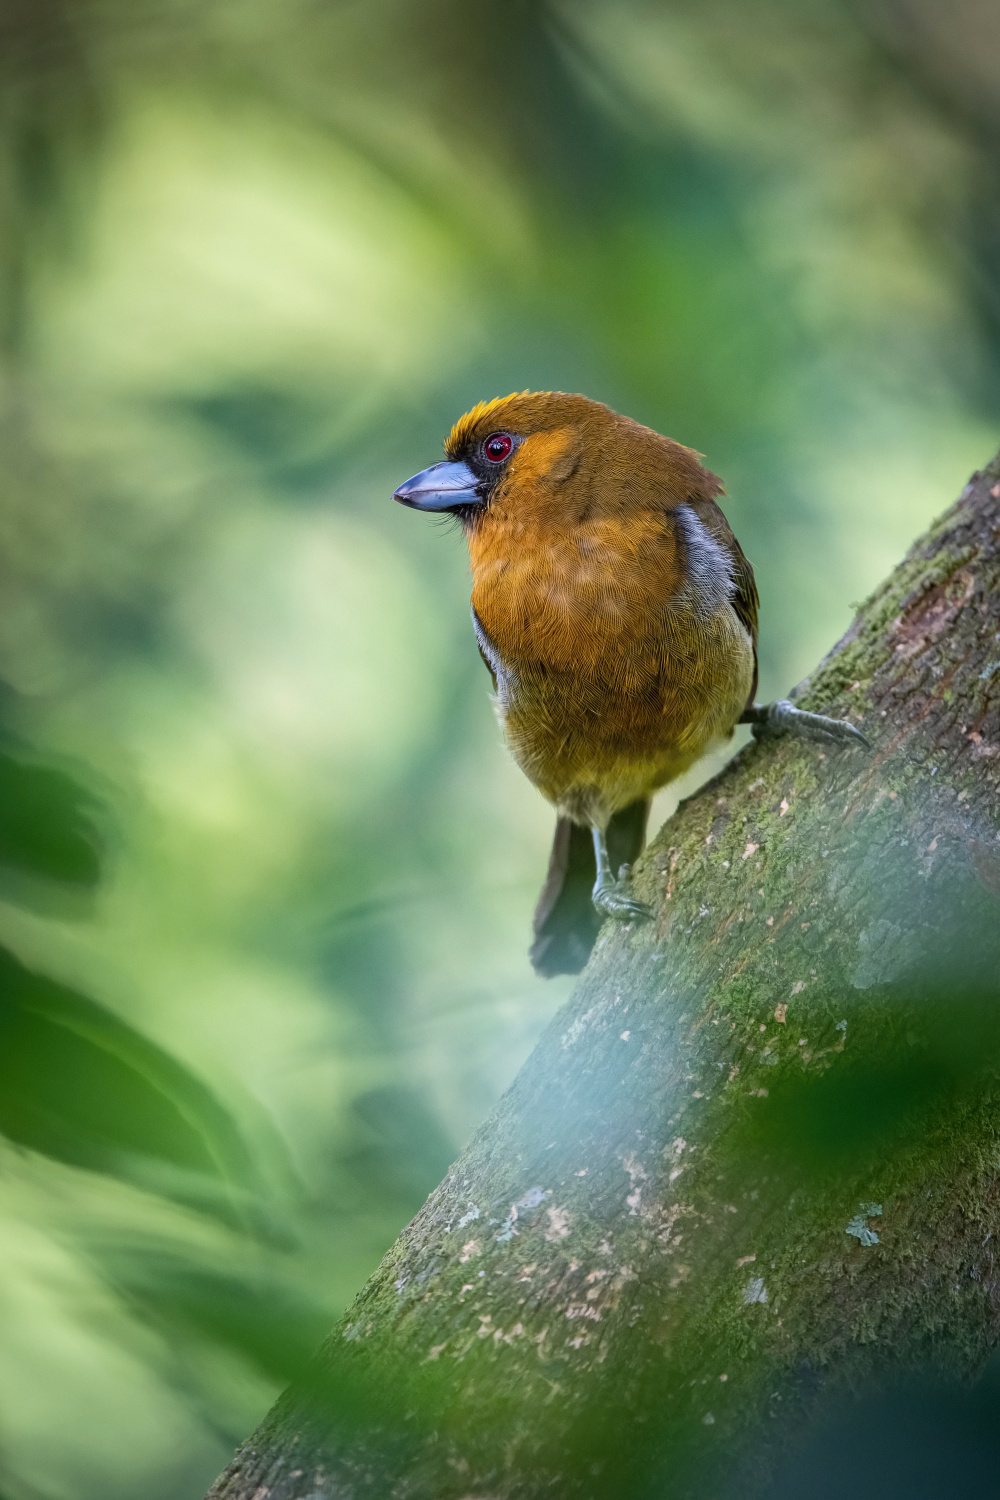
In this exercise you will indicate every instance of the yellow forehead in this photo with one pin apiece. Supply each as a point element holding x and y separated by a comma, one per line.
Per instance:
<point>487,413</point>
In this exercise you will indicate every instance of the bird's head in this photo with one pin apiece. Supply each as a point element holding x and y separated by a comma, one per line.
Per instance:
<point>548,457</point>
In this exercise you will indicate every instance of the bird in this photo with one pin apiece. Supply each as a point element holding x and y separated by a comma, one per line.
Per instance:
<point>617,615</point>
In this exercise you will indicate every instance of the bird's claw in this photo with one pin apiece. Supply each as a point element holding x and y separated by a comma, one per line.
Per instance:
<point>784,718</point>
<point>611,901</point>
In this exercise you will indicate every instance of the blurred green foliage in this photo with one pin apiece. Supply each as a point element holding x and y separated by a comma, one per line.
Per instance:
<point>266,872</point>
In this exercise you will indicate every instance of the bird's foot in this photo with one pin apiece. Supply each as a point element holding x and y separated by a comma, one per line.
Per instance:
<point>610,900</point>
<point>784,718</point>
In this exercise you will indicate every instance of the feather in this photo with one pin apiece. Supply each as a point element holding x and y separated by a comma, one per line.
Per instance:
<point>566,925</point>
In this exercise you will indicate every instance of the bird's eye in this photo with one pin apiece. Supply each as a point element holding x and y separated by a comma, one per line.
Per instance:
<point>498,446</point>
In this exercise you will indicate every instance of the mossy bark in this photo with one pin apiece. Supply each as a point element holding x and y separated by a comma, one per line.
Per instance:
<point>754,1160</point>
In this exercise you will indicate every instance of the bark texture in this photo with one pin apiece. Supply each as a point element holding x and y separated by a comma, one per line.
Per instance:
<point>754,1160</point>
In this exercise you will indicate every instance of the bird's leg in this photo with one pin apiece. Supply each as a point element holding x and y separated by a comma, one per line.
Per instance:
<point>609,896</point>
<point>784,718</point>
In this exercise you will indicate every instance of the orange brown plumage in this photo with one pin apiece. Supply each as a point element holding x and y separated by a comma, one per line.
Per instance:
<point>581,581</point>
<point>614,608</point>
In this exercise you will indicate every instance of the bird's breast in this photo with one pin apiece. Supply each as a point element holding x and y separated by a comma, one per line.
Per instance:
<point>617,655</point>
<point>574,602</point>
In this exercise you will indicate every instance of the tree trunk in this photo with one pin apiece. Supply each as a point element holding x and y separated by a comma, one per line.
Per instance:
<point>753,1162</point>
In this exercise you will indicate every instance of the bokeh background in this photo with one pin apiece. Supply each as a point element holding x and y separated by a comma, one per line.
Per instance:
<point>266,873</point>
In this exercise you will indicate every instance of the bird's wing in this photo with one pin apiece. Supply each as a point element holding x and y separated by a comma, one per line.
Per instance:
<point>504,677</point>
<point>745,599</point>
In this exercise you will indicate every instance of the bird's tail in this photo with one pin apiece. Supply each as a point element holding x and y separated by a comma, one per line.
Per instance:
<point>566,924</point>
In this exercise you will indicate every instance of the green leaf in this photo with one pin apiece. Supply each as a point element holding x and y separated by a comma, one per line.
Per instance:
<point>47,826</point>
<point>80,1085</point>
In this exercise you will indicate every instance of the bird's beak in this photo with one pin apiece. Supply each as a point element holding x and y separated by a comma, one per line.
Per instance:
<point>444,486</point>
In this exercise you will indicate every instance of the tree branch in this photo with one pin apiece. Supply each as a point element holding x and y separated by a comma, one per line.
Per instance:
<point>753,1161</point>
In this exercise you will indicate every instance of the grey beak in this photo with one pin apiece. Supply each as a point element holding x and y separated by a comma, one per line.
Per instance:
<point>444,486</point>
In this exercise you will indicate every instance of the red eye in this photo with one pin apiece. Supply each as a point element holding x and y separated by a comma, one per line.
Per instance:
<point>498,446</point>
